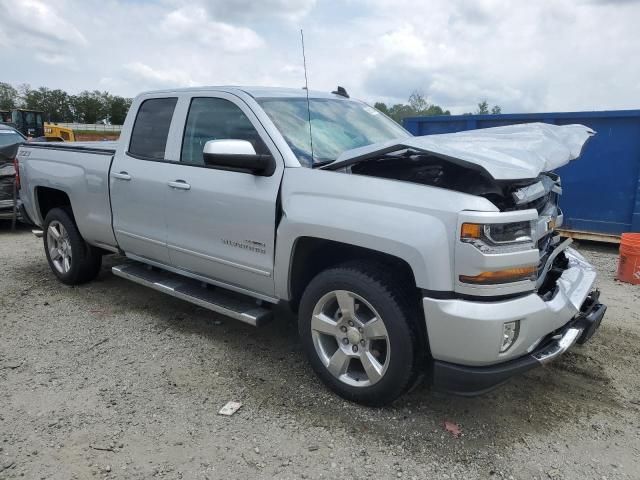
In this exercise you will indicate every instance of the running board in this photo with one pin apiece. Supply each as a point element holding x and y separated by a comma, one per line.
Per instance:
<point>234,305</point>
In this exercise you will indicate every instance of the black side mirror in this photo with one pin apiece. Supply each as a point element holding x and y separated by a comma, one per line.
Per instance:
<point>237,155</point>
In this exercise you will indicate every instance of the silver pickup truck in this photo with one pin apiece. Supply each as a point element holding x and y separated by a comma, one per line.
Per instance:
<point>404,257</point>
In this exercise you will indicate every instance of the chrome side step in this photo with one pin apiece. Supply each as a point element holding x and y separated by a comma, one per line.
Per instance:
<point>219,300</point>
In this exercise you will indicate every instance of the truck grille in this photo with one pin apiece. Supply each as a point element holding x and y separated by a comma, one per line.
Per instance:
<point>540,204</point>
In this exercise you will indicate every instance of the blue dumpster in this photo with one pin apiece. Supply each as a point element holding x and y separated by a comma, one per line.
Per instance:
<point>601,190</point>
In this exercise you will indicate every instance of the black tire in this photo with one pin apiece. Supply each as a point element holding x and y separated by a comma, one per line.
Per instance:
<point>394,300</point>
<point>85,260</point>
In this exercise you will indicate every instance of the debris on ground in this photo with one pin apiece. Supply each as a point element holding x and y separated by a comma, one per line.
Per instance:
<point>230,408</point>
<point>453,428</point>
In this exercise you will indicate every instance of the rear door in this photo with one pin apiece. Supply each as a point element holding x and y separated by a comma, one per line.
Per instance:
<point>221,223</point>
<point>138,183</point>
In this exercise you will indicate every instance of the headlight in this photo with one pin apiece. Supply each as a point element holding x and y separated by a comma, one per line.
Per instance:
<point>499,237</point>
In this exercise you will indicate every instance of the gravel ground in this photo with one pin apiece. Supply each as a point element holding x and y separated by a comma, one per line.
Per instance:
<point>113,380</point>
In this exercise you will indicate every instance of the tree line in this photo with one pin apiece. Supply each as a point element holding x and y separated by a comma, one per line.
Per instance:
<point>60,106</point>
<point>418,106</point>
<point>94,106</point>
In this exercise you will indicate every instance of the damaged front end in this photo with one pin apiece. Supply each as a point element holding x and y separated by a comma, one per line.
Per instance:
<point>510,166</point>
<point>517,248</point>
<point>435,171</point>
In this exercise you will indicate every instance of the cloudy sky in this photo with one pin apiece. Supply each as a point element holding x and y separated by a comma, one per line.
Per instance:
<point>543,55</point>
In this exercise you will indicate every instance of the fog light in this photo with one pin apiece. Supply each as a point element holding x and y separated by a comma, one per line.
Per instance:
<point>510,332</point>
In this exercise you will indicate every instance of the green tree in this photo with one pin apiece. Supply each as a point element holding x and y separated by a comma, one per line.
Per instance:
<point>55,104</point>
<point>382,107</point>
<point>89,107</point>
<point>417,105</point>
<point>417,101</point>
<point>483,108</point>
<point>8,96</point>
<point>117,109</point>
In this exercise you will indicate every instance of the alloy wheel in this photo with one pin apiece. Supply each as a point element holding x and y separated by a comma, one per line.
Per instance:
<point>350,338</point>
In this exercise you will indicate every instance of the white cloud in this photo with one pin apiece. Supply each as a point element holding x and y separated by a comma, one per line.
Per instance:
<point>537,56</point>
<point>36,26</point>
<point>159,77</point>
<point>55,58</point>
<point>248,10</point>
<point>525,56</point>
<point>193,23</point>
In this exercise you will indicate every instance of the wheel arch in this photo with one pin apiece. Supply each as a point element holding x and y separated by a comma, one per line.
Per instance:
<point>48,198</point>
<point>311,255</point>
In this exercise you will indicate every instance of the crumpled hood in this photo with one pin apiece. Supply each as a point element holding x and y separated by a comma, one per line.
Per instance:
<point>506,153</point>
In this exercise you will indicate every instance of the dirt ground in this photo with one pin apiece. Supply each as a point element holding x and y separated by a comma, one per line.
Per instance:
<point>113,380</point>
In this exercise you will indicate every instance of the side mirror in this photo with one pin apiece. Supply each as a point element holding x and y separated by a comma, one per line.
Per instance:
<point>237,155</point>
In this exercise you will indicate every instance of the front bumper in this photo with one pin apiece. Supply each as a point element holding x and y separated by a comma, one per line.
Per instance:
<point>465,336</point>
<point>464,380</point>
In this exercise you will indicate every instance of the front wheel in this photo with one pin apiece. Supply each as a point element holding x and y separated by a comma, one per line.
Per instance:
<point>359,328</point>
<point>71,259</point>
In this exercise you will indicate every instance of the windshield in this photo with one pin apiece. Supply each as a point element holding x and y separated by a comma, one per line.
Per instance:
<point>9,137</point>
<point>336,126</point>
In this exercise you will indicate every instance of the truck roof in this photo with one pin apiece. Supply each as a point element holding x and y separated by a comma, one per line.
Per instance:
<point>256,92</point>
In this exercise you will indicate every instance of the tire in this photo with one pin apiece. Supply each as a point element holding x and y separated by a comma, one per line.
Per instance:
<point>385,358</point>
<point>70,258</point>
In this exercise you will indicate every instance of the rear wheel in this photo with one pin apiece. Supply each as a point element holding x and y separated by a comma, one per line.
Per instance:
<point>359,328</point>
<point>71,259</point>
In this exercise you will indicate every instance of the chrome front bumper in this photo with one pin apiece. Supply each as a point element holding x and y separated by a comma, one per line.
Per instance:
<point>465,380</point>
<point>468,333</point>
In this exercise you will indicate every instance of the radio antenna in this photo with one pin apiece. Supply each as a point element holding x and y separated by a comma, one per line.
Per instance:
<point>306,88</point>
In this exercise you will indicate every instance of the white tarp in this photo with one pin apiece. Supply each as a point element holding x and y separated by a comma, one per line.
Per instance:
<point>506,153</point>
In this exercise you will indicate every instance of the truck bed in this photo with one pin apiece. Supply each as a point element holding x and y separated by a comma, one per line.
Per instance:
<point>81,170</point>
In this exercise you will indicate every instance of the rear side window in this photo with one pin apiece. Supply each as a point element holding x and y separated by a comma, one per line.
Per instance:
<point>216,119</point>
<point>151,128</point>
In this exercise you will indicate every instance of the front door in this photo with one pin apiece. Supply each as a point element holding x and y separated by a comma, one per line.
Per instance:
<point>138,183</point>
<point>221,224</point>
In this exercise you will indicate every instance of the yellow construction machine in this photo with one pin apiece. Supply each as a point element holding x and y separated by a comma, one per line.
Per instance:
<point>56,133</point>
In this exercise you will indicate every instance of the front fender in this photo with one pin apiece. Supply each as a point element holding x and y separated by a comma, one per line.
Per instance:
<point>415,223</point>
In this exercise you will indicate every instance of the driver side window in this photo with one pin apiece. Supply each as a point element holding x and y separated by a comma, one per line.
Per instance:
<point>215,119</point>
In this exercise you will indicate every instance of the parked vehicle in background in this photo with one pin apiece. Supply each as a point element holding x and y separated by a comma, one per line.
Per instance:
<point>10,140</point>
<point>56,133</point>
<point>404,256</point>
<point>28,122</point>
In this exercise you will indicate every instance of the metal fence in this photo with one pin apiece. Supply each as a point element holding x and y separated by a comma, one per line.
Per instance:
<point>94,127</point>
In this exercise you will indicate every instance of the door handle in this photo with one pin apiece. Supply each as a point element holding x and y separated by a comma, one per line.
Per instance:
<point>121,175</point>
<point>180,185</point>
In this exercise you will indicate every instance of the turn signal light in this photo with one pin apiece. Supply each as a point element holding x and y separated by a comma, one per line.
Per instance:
<point>471,230</point>
<point>501,276</point>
